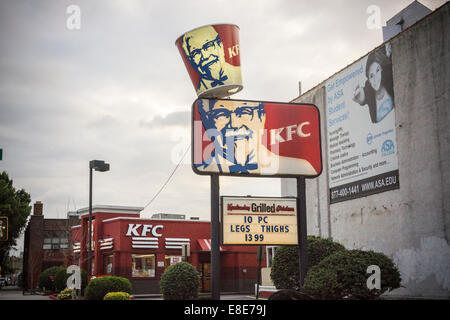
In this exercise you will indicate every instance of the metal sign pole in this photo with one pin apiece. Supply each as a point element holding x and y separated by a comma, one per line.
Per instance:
<point>90,224</point>
<point>301,228</point>
<point>260,255</point>
<point>215,246</point>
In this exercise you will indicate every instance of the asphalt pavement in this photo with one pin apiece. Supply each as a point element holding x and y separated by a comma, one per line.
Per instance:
<point>15,293</point>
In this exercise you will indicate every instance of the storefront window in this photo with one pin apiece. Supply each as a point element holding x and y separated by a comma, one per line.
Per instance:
<point>108,264</point>
<point>170,260</point>
<point>143,265</point>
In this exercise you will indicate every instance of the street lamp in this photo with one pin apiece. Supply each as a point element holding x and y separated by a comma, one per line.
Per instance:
<point>97,165</point>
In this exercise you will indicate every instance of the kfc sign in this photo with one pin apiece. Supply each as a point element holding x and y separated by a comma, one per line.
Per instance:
<point>242,137</point>
<point>136,230</point>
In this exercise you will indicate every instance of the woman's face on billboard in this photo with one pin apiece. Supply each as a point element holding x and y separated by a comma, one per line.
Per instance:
<point>375,75</point>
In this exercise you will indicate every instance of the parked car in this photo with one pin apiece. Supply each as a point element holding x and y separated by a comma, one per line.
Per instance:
<point>3,282</point>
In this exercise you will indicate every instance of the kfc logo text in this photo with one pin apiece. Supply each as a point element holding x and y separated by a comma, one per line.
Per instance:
<point>276,137</point>
<point>146,228</point>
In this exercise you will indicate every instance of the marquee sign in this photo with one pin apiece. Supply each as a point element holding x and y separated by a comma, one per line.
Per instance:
<point>253,138</point>
<point>259,221</point>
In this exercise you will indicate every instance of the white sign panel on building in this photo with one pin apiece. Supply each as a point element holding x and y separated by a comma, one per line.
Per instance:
<point>360,113</point>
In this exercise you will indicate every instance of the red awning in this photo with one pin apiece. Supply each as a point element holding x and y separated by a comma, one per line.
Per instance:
<point>205,244</point>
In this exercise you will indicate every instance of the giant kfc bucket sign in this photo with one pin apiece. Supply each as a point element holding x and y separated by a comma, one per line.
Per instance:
<point>253,138</point>
<point>211,55</point>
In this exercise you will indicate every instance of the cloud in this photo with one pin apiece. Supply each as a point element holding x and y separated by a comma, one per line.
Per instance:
<point>116,89</point>
<point>178,118</point>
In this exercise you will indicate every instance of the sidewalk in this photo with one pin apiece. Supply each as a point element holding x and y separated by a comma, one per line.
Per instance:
<point>15,293</point>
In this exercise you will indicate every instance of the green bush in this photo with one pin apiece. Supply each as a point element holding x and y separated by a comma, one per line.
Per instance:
<point>320,248</point>
<point>65,294</point>
<point>61,277</point>
<point>99,287</point>
<point>285,269</point>
<point>344,275</point>
<point>117,296</point>
<point>46,281</point>
<point>180,281</point>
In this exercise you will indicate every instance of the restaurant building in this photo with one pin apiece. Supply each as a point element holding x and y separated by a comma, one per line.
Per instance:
<point>140,249</point>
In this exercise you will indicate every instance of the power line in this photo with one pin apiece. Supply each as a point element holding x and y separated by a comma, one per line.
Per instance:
<point>168,179</point>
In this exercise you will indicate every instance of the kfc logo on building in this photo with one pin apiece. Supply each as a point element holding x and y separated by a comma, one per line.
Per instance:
<point>239,137</point>
<point>133,230</point>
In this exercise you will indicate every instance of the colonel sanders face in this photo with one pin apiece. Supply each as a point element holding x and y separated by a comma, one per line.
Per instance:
<point>205,52</point>
<point>235,128</point>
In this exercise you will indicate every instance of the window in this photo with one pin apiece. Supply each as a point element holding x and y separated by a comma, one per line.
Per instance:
<point>63,239</point>
<point>170,260</point>
<point>108,264</point>
<point>143,265</point>
<point>47,240</point>
<point>93,265</point>
<point>56,240</point>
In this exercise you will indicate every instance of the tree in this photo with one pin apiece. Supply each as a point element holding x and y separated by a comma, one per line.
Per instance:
<point>14,204</point>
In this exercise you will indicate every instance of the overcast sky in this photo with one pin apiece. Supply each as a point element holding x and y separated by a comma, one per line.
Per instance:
<point>116,90</point>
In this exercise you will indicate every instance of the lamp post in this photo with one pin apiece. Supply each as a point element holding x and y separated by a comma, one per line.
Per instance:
<point>97,165</point>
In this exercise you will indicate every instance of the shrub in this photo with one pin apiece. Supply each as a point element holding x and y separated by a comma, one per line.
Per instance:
<point>61,277</point>
<point>99,287</point>
<point>344,275</point>
<point>65,294</point>
<point>320,248</point>
<point>180,281</point>
<point>117,296</point>
<point>285,269</point>
<point>46,281</point>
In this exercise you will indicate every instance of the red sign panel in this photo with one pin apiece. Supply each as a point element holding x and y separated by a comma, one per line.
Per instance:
<point>243,137</point>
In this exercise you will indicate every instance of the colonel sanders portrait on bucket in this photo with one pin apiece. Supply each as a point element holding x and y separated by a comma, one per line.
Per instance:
<point>238,140</point>
<point>204,50</point>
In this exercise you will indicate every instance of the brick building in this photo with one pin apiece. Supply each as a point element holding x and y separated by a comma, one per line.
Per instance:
<point>46,244</point>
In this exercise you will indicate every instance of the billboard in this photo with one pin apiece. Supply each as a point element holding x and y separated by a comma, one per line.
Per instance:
<point>360,108</point>
<point>254,138</point>
<point>259,221</point>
